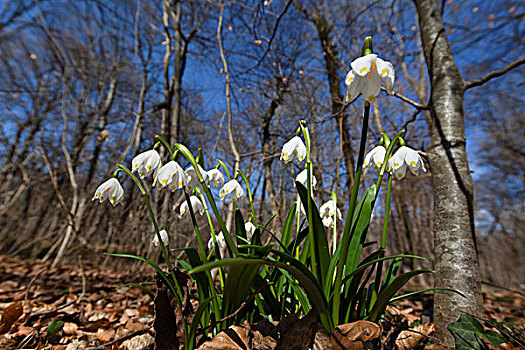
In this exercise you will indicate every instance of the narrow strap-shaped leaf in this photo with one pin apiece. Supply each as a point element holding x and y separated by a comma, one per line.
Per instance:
<point>384,298</point>
<point>288,225</point>
<point>322,254</point>
<point>203,306</point>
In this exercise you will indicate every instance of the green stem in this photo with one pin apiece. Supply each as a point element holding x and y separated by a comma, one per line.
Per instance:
<point>179,293</point>
<point>166,145</point>
<point>203,252</point>
<point>387,212</point>
<point>248,189</point>
<point>351,208</point>
<point>309,213</point>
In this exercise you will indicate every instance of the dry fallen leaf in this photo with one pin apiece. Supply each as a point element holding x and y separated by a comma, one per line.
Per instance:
<point>353,335</point>
<point>411,338</point>
<point>138,343</point>
<point>105,335</point>
<point>10,315</point>
<point>234,338</point>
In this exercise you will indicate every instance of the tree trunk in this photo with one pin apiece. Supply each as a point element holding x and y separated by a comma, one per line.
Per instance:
<point>456,261</point>
<point>331,65</point>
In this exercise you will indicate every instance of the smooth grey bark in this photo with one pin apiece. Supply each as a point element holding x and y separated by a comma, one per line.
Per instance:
<point>456,261</point>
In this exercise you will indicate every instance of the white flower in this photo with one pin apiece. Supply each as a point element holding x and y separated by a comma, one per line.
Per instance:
<point>300,207</point>
<point>230,187</point>
<point>292,148</point>
<point>196,204</point>
<point>193,180</point>
<point>220,241</point>
<point>171,174</point>
<point>376,157</point>
<point>366,76</point>
<point>215,177</point>
<point>250,229</point>
<point>110,189</point>
<point>406,158</point>
<point>146,163</point>
<point>329,212</point>
<point>163,235</point>
<point>303,176</point>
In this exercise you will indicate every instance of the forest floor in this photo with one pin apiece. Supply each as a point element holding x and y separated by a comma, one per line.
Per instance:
<point>87,308</point>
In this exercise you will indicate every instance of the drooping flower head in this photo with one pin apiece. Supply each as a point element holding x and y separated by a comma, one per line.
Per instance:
<point>215,177</point>
<point>375,157</point>
<point>303,176</point>
<point>329,213</point>
<point>294,148</point>
<point>404,158</point>
<point>196,204</point>
<point>231,187</point>
<point>193,180</point>
<point>220,241</point>
<point>163,235</point>
<point>366,76</point>
<point>111,190</point>
<point>250,229</point>
<point>170,174</point>
<point>146,163</point>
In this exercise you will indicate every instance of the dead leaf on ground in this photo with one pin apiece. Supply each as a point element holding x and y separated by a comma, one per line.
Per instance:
<point>105,335</point>
<point>411,338</point>
<point>234,338</point>
<point>139,342</point>
<point>10,315</point>
<point>353,335</point>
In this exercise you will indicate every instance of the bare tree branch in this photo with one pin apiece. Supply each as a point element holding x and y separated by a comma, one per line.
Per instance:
<point>494,74</point>
<point>407,100</point>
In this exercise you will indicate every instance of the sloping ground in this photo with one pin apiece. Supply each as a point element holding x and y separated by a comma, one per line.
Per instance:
<point>83,308</point>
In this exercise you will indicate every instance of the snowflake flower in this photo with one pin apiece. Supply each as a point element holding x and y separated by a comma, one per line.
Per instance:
<point>291,149</point>
<point>375,157</point>
<point>110,189</point>
<point>329,212</point>
<point>220,241</point>
<point>163,235</point>
<point>406,158</point>
<point>172,175</point>
<point>146,163</point>
<point>303,176</point>
<point>230,187</point>
<point>366,76</point>
<point>215,177</point>
<point>196,204</point>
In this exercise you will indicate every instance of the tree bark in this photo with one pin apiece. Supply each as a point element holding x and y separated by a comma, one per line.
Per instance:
<point>456,261</point>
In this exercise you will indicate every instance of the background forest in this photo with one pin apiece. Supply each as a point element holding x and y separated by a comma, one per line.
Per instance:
<point>89,83</point>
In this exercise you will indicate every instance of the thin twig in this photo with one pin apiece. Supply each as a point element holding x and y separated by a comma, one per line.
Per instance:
<point>126,337</point>
<point>26,298</point>
<point>83,276</point>
<point>407,100</point>
<point>494,74</point>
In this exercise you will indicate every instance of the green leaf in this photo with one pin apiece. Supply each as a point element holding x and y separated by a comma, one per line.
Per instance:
<point>307,281</point>
<point>322,254</point>
<point>203,306</point>
<point>288,225</point>
<point>384,298</point>
<point>468,332</point>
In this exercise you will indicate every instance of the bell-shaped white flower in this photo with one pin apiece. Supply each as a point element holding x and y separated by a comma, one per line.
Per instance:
<point>406,158</point>
<point>170,174</point>
<point>294,148</point>
<point>231,187</point>
<point>329,213</point>
<point>366,76</point>
<point>300,207</point>
<point>375,157</point>
<point>196,204</point>
<point>146,163</point>
<point>111,190</point>
<point>215,177</point>
<point>193,180</point>
<point>250,229</point>
<point>220,241</point>
<point>303,176</point>
<point>163,235</point>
